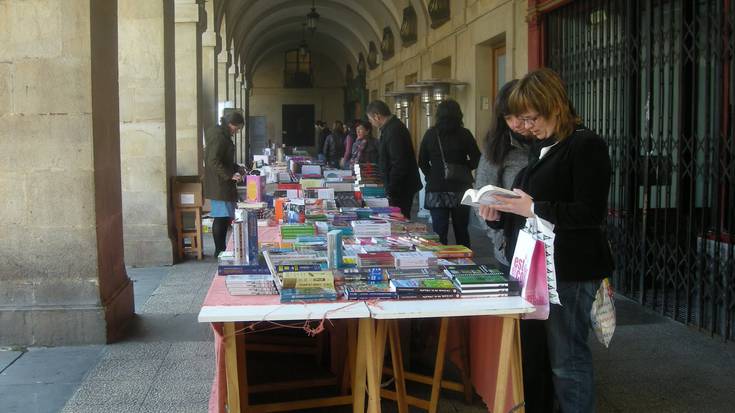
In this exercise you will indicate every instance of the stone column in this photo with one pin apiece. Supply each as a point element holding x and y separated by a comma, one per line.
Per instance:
<point>208,101</point>
<point>188,88</point>
<point>62,277</point>
<point>221,77</point>
<point>147,129</point>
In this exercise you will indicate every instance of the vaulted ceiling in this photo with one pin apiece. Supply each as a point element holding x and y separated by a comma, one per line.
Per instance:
<point>257,28</point>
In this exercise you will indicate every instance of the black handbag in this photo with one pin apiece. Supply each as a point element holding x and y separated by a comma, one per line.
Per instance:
<point>456,172</point>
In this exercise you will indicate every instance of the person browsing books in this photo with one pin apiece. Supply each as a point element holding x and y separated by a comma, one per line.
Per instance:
<point>334,145</point>
<point>567,184</point>
<point>365,147</point>
<point>397,158</point>
<point>507,148</point>
<point>448,143</point>
<point>507,151</point>
<point>221,174</point>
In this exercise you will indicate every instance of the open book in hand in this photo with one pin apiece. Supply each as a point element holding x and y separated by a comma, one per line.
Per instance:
<point>487,195</point>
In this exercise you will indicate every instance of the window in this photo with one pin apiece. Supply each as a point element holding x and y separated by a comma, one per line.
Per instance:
<point>297,69</point>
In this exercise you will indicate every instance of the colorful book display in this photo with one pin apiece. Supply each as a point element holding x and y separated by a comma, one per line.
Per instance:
<point>256,187</point>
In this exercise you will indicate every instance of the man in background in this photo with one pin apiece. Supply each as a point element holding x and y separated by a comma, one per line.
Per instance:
<point>322,133</point>
<point>397,158</point>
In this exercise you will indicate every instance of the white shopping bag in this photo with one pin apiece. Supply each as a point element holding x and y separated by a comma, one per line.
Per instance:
<point>528,267</point>
<point>543,231</point>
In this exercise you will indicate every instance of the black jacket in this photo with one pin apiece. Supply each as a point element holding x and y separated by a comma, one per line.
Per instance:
<point>219,165</point>
<point>459,148</point>
<point>570,188</point>
<point>398,160</point>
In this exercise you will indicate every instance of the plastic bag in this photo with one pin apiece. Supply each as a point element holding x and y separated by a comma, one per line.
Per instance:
<point>602,314</point>
<point>529,268</point>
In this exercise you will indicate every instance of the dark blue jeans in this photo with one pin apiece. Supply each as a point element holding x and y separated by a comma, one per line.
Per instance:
<point>567,330</point>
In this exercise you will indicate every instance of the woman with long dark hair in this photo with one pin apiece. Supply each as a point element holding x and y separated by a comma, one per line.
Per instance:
<point>448,143</point>
<point>507,147</point>
<point>220,176</point>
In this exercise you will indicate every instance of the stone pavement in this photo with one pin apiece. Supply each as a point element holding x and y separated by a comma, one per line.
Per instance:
<point>166,362</point>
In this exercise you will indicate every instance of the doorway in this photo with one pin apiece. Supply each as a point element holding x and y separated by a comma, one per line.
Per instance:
<point>257,133</point>
<point>298,125</point>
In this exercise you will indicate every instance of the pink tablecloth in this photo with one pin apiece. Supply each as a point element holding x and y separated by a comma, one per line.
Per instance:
<point>484,341</point>
<point>218,296</point>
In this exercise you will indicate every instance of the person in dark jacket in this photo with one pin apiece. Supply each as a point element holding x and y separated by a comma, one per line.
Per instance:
<point>397,157</point>
<point>221,174</point>
<point>567,185</point>
<point>507,151</point>
<point>334,146</point>
<point>322,133</point>
<point>448,141</point>
<point>365,148</point>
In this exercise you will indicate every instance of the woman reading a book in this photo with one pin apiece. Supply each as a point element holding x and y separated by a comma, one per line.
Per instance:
<point>507,147</point>
<point>566,183</point>
<point>220,176</point>
<point>448,144</point>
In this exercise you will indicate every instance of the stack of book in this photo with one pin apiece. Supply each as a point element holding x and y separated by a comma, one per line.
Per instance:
<point>413,259</point>
<point>367,290</point>
<point>368,180</point>
<point>425,288</point>
<point>375,259</point>
<point>346,198</point>
<point>227,264</point>
<point>245,237</point>
<point>334,248</point>
<point>307,286</point>
<point>292,231</point>
<point>481,281</point>
<point>370,228</point>
<point>445,251</point>
<point>251,284</point>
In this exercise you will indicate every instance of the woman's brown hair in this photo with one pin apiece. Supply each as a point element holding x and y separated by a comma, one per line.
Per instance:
<point>543,91</point>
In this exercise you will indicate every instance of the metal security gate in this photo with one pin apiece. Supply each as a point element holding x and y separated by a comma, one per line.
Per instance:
<point>655,79</point>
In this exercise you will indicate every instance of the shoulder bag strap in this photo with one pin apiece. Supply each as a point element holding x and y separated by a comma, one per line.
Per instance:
<point>441,150</point>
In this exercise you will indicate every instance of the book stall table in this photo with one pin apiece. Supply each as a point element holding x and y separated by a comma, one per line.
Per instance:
<point>508,375</point>
<point>229,314</point>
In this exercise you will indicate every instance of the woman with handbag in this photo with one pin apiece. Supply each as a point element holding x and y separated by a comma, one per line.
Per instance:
<point>566,184</point>
<point>447,156</point>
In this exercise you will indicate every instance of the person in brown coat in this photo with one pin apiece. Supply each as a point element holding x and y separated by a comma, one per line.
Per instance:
<point>221,175</point>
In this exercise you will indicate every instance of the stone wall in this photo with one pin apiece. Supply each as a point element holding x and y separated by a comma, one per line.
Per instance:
<point>144,131</point>
<point>461,49</point>
<point>61,265</point>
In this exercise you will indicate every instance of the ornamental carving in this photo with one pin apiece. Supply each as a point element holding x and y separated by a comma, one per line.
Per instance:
<point>439,12</point>
<point>387,45</point>
<point>409,27</point>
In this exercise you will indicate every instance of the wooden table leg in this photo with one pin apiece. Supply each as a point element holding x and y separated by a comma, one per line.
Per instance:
<point>505,356</point>
<point>396,356</point>
<point>517,368</point>
<point>365,331</point>
<point>436,383</point>
<point>464,352</point>
<point>381,333</point>
<point>373,387</point>
<point>235,368</point>
<point>348,371</point>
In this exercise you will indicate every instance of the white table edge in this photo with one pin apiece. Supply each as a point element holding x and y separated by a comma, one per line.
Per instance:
<point>283,312</point>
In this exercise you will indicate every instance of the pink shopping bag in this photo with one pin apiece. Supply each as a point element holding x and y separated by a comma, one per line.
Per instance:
<point>529,268</point>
